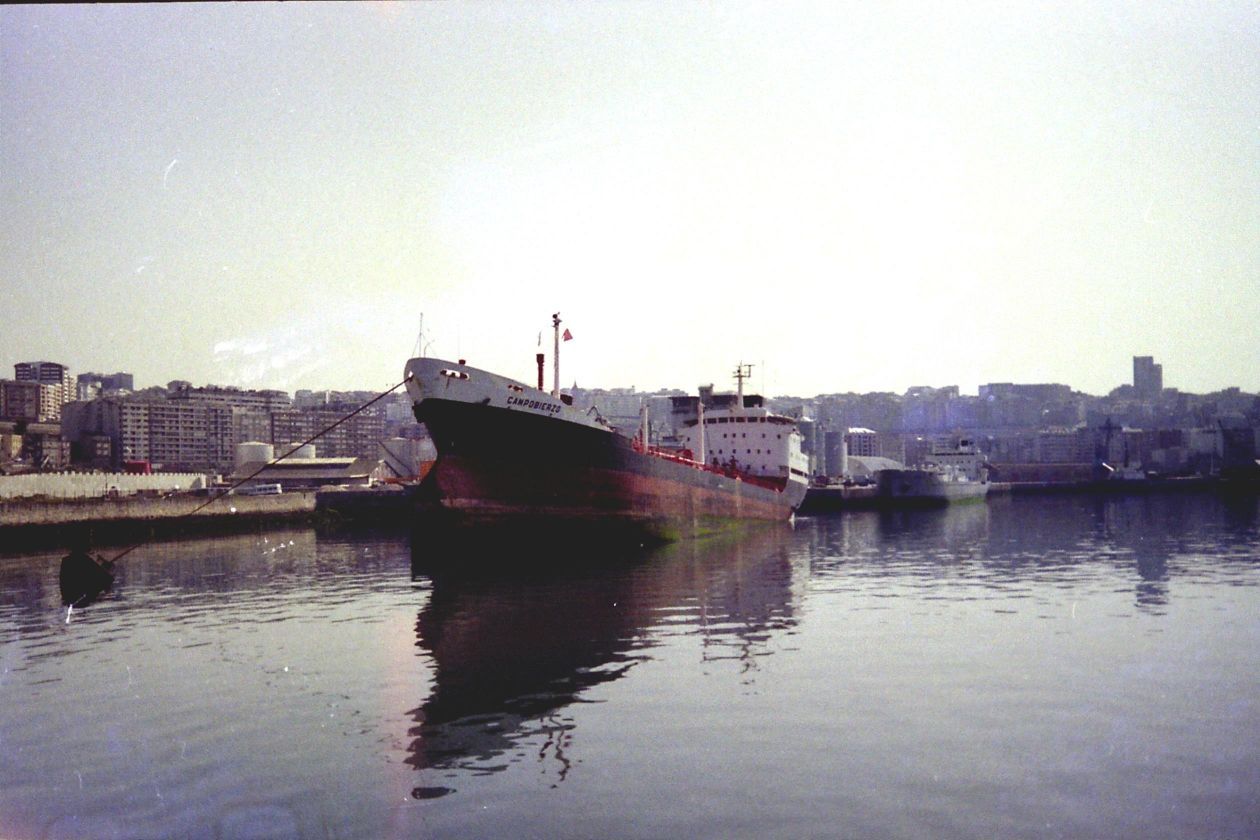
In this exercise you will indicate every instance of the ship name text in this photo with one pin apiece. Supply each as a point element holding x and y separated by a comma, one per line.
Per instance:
<point>536,405</point>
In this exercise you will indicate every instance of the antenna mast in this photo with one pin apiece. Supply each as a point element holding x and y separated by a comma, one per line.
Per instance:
<point>419,348</point>
<point>555,357</point>
<point>741,373</point>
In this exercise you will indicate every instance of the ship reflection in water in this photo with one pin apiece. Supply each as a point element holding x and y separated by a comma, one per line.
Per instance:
<point>1029,667</point>
<point>513,643</point>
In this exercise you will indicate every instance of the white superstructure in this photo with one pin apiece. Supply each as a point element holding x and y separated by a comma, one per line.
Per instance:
<point>750,440</point>
<point>963,460</point>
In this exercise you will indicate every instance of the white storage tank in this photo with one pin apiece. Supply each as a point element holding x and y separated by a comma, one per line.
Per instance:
<point>253,452</point>
<point>405,458</point>
<point>301,451</point>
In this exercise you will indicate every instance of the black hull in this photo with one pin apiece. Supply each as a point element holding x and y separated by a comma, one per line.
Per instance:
<point>496,462</point>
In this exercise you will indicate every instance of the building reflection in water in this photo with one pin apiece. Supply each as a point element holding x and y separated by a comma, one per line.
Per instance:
<point>1154,539</point>
<point>515,639</point>
<point>914,542</point>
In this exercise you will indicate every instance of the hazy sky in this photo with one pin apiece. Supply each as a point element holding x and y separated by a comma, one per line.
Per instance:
<point>852,197</point>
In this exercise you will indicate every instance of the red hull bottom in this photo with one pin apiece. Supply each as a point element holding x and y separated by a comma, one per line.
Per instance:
<point>662,506</point>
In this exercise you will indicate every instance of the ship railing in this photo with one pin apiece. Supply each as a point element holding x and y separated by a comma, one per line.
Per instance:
<point>669,455</point>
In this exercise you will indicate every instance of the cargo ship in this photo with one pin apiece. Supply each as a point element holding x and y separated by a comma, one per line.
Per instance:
<point>954,473</point>
<point>507,451</point>
<point>925,488</point>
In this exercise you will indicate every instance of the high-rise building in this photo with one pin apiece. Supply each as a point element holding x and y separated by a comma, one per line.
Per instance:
<point>1148,377</point>
<point>231,397</point>
<point>124,421</point>
<point>353,437</point>
<point>36,402</point>
<point>48,373</point>
<point>93,385</point>
<point>864,443</point>
<point>171,434</point>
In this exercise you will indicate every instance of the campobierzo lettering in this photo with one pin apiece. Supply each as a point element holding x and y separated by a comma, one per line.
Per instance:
<point>536,405</point>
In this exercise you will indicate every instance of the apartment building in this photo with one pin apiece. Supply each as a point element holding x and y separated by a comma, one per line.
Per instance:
<point>238,398</point>
<point>1148,377</point>
<point>864,443</point>
<point>48,373</point>
<point>1062,446</point>
<point>169,434</point>
<point>92,385</point>
<point>190,435</point>
<point>358,437</point>
<point>35,402</point>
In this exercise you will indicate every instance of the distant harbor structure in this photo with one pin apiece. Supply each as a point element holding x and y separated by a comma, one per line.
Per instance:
<point>300,469</point>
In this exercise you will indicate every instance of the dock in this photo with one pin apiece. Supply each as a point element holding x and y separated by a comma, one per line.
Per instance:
<point>33,522</point>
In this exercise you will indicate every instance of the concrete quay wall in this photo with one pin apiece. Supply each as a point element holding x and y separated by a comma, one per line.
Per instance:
<point>95,485</point>
<point>140,508</point>
<point>28,523</point>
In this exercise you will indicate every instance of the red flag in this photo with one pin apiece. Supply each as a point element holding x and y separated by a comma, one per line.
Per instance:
<point>568,336</point>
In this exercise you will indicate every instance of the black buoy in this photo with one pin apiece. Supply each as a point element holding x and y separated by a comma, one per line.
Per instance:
<point>84,577</point>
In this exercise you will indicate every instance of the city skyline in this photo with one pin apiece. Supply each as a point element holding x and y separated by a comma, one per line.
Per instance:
<point>1140,390</point>
<point>852,199</point>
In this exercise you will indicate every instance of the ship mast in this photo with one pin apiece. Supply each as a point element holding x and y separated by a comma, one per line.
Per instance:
<point>702,455</point>
<point>421,345</point>
<point>555,357</point>
<point>742,372</point>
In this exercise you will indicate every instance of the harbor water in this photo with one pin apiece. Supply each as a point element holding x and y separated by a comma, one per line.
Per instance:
<point>1030,667</point>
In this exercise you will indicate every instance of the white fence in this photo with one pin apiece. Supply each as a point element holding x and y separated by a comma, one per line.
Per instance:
<point>95,485</point>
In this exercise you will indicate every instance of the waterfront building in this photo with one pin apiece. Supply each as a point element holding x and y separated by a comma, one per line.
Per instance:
<point>862,442</point>
<point>357,437</point>
<point>43,447</point>
<point>126,424</point>
<point>27,445</point>
<point>199,428</point>
<point>1012,447</point>
<point>169,434</point>
<point>294,474</point>
<point>96,451</point>
<point>189,435</point>
<point>1203,444</point>
<point>1059,446</point>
